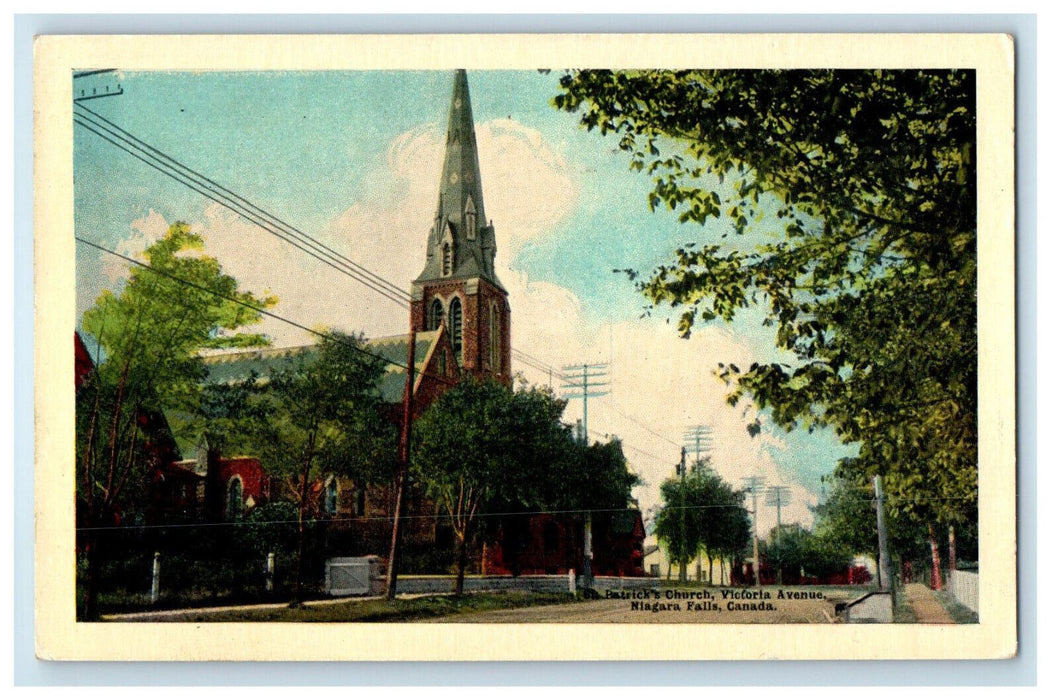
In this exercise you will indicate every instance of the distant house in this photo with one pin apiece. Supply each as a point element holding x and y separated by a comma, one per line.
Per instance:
<point>657,563</point>
<point>82,362</point>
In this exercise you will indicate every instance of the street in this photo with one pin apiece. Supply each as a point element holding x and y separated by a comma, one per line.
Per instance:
<point>669,611</point>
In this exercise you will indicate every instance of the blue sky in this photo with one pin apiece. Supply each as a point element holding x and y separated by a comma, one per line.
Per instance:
<point>354,159</point>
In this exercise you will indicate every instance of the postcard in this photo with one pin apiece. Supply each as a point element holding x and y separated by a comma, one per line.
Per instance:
<point>465,347</point>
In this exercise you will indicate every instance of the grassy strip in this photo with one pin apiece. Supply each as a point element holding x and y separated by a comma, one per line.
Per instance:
<point>903,614</point>
<point>400,610</point>
<point>959,613</point>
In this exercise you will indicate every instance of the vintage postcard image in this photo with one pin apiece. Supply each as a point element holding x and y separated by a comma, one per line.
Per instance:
<point>705,344</point>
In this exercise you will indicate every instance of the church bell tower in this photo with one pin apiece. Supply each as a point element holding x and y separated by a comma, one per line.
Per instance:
<point>458,288</point>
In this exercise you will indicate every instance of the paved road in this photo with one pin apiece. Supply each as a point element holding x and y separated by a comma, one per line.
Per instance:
<point>626,611</point>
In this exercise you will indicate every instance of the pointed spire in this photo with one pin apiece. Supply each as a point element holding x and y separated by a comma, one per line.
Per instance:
<point>461,175</point>
<point>460,220</point>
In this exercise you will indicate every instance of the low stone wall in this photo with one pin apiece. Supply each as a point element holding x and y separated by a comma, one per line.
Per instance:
<point>550,584</point>
<point>962,585</point>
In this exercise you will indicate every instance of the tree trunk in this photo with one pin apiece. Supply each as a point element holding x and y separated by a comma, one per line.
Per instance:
<point>301,517</point>
<point>952,561</point>
<point>711,568</point>
<point>297,566</point>
<point>461,562</point>
<point>935,581</point>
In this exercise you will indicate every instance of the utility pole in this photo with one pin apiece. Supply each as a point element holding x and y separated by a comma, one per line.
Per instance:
<point>885,574</point>
<point>698,438</point>
<point>681,471</point>
<point>402,471</point>
<point>778,496</point>
<point>93,93</point>
<point>753,484</point>
<point>586,381</point>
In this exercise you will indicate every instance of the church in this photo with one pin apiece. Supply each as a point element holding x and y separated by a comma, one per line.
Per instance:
<point>460,318</point>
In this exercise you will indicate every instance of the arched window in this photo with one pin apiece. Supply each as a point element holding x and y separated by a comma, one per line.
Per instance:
<point>494,337</point>
<point>433,320</point>
<point>233,502</point>
<point>330,497</point>
<point>446,259</point>
<point>455,327</point>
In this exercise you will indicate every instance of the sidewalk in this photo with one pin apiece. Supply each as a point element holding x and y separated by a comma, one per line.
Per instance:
<point>177,614</point>
<point>925,607</point>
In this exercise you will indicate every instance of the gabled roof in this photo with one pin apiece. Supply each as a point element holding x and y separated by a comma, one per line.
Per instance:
<point>231,367</point>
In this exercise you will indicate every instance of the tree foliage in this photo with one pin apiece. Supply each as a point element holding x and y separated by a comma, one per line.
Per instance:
<point>701,513</point>
<point>146,339</point>
<point>792,550</point>
<point>843,205</point>
<point>323,417</point>
<point>595,476</point>
<point>483,447</point>
<point>482,444</point>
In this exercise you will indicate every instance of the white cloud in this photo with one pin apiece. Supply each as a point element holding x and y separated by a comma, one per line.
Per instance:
<point>144,231</point>
<point>658,379</point>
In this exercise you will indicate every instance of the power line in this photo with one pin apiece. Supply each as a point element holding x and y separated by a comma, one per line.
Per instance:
<point>259,310</point>
<point>207,187</point>
<point>641,425</point>
<point>276,220</point>
<point>436,516</point>
<point>241,206</point>
<point>596,433</point>
<point>295,324</point>
<point>204,186</point>
<point>86,73</point>
<point>320,334</point>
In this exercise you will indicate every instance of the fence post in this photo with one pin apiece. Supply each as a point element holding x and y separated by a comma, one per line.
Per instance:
<point>156,573</point>
<point>270,567</point>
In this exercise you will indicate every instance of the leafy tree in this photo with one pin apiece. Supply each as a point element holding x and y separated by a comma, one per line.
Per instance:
<point>598,478</point>
<point>842,204</point>
<point>701,513</point>
<point>847,519</point>
<point>325,418</point>
<point>729,529</point>
<point>792,549</point>
<point>482,443</point>
<point>677,525</point>
<point>147,338</point>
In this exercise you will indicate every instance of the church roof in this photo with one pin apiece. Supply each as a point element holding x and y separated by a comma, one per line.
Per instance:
<point>460,220</point>
<point>231,367</point>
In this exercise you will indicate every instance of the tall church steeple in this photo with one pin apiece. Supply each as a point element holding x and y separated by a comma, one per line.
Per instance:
<point>460,221</point>
<point>458,288</point>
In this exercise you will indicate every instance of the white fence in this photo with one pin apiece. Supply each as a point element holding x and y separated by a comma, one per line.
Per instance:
<point>962,585</point>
